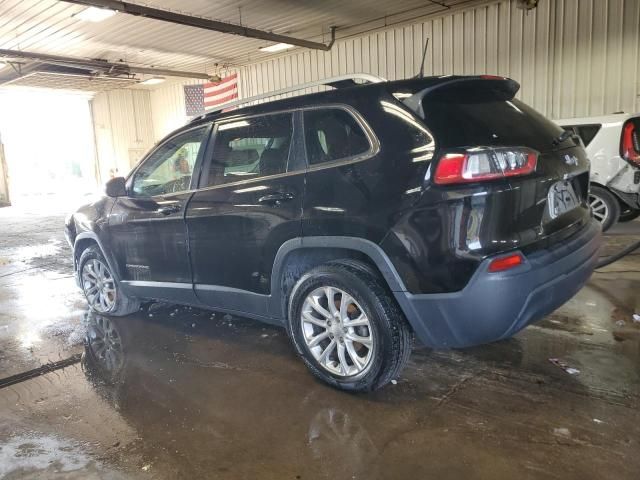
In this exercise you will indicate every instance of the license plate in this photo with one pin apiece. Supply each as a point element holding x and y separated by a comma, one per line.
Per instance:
<point>561,199</point>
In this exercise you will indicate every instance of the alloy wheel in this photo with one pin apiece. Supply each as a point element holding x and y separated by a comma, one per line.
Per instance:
<point>598,208</point>
<point>99,286</point>
<point>337,332</point>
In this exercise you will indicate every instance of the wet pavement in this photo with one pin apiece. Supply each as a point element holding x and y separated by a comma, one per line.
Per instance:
<point>175,392</point>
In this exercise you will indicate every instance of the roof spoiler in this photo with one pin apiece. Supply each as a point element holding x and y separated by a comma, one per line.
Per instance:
<point>506,86</point>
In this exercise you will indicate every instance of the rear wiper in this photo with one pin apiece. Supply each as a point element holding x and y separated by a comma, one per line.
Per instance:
<point>562,137</point>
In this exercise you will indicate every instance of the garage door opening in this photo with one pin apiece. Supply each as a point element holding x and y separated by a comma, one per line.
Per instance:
<point>47,137</point>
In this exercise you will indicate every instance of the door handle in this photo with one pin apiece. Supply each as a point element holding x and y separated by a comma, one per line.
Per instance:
<point>276,198</point>
<point>169,209</point>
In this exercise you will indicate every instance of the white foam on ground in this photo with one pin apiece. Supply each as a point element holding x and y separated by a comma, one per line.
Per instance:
<point>39,452</point>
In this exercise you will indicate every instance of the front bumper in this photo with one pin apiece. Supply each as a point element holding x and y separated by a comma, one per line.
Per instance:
<point>494,306</point>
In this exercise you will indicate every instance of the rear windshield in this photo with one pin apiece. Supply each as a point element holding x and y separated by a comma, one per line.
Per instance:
<point>463,121</point>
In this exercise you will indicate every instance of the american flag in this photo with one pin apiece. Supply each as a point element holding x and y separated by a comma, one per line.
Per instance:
<point>199,97</point>
<point>217,93</point>
<point>194,100</point>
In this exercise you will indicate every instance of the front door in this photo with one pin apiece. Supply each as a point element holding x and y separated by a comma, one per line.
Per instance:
<point>249,203</point>
<point>147,227</point>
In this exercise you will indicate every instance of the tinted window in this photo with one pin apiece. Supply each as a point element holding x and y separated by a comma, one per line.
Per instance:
<point>486,120</point>
<point>585,132</point>
<point>170,167</point>
<point>251,148</point>
<point>333,134</point>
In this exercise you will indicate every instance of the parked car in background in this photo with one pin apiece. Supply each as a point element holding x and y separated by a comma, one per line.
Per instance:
<point>356,218</point>
<point>612,143</point>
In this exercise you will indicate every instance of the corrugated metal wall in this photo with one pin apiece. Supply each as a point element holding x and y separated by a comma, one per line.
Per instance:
<point>572,57</point>
<point>123,127</point>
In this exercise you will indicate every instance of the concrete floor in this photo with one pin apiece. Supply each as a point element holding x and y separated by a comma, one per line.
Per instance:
<point>199,395</point>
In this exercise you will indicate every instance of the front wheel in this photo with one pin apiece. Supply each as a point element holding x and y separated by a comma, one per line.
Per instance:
<point>100,287</point>
<point>347,327</point>
<point>604,206</point>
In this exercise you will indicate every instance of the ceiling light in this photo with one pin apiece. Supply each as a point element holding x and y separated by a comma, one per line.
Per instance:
<point>95,14</point>
<point>278,47</point>
<point>152,81</point>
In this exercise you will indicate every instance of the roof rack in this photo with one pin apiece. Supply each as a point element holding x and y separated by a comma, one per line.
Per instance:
<point>341,81</point>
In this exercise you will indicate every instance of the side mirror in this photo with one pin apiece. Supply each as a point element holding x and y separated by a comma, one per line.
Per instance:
<point>116,187</point>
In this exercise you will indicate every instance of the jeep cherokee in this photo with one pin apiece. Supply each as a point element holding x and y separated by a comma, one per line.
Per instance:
<point>356,217</point>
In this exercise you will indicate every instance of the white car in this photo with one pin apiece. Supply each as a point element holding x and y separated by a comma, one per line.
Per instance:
<point>613,146</point>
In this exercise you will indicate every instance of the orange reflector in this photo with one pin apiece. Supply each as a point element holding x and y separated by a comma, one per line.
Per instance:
<point>505,263</point>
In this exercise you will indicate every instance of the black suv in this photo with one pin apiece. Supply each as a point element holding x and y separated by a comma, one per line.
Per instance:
<point>355,217</point>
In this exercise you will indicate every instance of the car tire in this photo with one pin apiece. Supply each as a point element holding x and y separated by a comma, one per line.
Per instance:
<point>604,206</point>
<point>628,215</point>
<point>368,337</point>
<point>100,287</point>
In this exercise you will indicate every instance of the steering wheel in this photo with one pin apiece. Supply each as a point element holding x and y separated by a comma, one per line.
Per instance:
<point>179,185</point>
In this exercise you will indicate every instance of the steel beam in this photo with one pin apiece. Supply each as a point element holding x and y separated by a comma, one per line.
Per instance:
<point>101,65</point>
<point>205,23</point>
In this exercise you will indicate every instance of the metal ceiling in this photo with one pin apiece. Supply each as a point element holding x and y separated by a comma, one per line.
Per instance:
<point>49,26</point>
<point>67,81</point>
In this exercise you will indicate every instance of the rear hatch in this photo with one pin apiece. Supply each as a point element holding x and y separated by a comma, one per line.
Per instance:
<point>543,206</point>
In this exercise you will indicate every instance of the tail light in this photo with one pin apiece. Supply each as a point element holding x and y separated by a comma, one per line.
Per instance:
<point>629,143</point>
<point>485,163</point>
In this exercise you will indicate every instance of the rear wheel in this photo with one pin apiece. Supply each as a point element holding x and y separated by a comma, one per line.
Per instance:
<point>604,206</point>
<point>347,327</point>
<point>100,287</point>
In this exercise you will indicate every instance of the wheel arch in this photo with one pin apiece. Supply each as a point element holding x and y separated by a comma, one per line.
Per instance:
<point>621,200</point>
<point>86,239</point>
<point>299,255</point>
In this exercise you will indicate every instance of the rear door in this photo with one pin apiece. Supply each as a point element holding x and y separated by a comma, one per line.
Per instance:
<point>249,204</point>
<point>147,228</point>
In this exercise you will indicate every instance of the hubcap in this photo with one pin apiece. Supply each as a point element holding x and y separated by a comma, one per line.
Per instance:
<point>337,332</point>
<point>98,285</point>
<point>599,208</point>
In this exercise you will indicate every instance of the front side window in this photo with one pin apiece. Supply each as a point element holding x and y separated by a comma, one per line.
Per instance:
<point>333,134</point>
<point>170,167</point>
<point>251,148</point>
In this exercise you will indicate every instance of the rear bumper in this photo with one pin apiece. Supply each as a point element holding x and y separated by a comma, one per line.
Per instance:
<point>494,306</point>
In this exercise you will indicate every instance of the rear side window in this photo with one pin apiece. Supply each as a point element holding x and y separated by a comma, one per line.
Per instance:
<point>586,132</point>
<point>251,148</point>
<point>333,134</point>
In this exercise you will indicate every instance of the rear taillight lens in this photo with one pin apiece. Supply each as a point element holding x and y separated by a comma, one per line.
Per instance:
<point>630,144</point>
<point>484,163</point>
